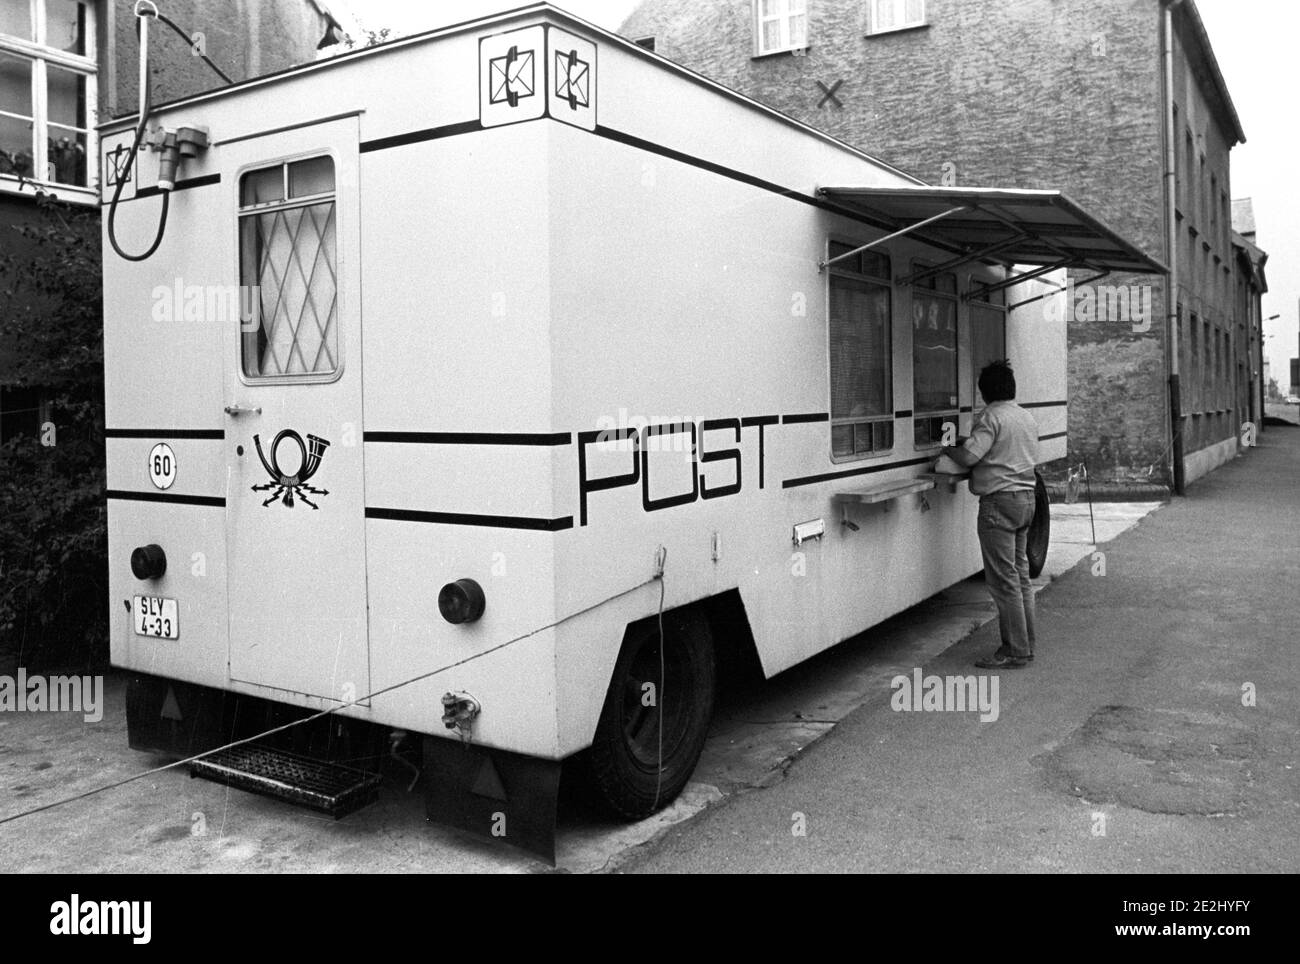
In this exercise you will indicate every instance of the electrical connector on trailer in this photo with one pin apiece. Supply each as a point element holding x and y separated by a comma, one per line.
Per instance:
<point>459,711</point>
<point>177,145</point>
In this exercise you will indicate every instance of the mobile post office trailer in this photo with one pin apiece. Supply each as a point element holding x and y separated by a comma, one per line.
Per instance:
<point>486,384</point>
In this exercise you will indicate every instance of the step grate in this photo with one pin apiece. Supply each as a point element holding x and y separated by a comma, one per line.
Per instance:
<point>326,787</point>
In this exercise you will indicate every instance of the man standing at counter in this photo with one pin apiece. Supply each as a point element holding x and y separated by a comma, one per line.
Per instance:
<point>1001,453</point>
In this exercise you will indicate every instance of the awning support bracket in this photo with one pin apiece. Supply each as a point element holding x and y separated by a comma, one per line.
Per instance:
<point>1015,279</point>
<point>987,251</point>
<point>823,265</point>
<point>1057,290</point>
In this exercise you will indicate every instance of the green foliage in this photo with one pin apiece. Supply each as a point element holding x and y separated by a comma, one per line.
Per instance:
<point>53,545</point>
<point>373,38</point>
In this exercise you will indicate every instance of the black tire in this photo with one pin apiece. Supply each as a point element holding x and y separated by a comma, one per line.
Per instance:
<point>626,747</point>
<point>1040,530</point>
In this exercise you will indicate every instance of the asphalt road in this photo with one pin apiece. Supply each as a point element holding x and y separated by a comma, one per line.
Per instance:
<point>1126,746</point>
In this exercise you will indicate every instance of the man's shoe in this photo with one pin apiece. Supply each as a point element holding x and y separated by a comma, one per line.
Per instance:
<point>998,661</point>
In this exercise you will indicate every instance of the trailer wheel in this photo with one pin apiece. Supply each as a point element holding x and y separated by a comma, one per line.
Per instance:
<point>625,754</point>
<point>1040,530</point>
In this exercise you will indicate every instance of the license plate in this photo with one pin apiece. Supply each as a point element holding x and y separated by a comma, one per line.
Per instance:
<point>156,616</point>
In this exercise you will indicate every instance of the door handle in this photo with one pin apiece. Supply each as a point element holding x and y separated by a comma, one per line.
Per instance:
<point>234,411</point>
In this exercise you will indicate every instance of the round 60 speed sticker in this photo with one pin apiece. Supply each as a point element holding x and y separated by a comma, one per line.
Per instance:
<point>162,466</point>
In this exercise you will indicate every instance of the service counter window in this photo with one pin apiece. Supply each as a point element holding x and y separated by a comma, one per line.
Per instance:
<point>861,355</point>
<point>988,334</point>
<point>934,356</point>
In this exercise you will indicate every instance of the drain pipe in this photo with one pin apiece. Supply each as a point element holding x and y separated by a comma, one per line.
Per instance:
<point>1171,293</point>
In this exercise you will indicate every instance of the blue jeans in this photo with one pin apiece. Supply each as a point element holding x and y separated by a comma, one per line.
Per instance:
<point>1003,527</point>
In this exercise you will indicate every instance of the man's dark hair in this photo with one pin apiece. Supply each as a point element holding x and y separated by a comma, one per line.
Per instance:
<point>998,382</point>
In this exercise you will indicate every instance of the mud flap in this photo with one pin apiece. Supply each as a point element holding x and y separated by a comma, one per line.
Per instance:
<point>499,796</point>
<point>1040,530</point>
<point>167,716</point>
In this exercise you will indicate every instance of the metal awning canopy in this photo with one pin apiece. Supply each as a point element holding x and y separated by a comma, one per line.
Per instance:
<point>1044,230</point>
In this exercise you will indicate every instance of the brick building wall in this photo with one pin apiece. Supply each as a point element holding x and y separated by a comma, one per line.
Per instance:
<point>245,38</point>
<point>1036,94</point>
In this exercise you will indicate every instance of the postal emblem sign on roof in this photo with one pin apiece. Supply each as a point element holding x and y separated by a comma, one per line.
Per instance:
<point>536,72</point>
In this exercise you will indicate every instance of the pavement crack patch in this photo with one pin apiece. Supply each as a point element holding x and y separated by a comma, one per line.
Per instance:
<point>1159,761</point>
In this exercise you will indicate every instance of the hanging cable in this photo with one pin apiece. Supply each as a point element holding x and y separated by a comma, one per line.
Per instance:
<point>144,9</point>
<point>189,40</point>
<point>142,35</point>
<point>122,178</point>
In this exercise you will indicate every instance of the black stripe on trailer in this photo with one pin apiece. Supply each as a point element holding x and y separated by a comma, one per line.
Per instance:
<point>471,438</point>
<point>801,419</point>
<point>418,136</point>
<point>638,143</point>
<point>185,184</point>
<point>849,473</point>
<point>169,497</point>
<point>1043,404</point>
<point>199,433</point>
<point>467,519</point>
<point>1048,438</point>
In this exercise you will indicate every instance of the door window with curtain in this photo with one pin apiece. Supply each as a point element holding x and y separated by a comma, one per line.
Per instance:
<point>861,355</point>
<point>288,265</point>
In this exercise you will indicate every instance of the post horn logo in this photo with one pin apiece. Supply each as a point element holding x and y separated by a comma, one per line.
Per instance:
<point>284,486</point>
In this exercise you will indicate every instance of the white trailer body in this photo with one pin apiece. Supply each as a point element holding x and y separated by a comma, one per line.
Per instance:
<point>541,234</point>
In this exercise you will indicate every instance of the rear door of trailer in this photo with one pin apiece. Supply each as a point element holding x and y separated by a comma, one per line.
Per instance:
<point>295,502</point>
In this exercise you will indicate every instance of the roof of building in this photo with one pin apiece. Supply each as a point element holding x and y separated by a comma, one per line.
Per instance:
<point>1243,216</point>
<point>1205,52</point>
<point>1257,257</point>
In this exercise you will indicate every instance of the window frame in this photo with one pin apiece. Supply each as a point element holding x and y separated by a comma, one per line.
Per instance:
<point>873,15</point>
<point>287,203</point>
<point>953,412</point>
<point>786,43</point>
<point>839,270</point>
<point>42,56</point>
<point>974,301</point>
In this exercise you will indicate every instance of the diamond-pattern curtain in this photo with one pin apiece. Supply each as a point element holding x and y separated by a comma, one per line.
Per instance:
<point>289,254</point>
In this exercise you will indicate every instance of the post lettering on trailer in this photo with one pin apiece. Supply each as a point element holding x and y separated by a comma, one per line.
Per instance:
<point>640,467</point>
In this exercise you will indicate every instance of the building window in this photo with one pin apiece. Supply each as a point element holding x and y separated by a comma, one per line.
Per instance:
<point>1212,203</point>
<point>988,336</point>
<point>47,94</point>
<point>780,25</point>
<point>887,15</point>
<point>1207,363</point>
<point>1202,205</point>
<point>1226,212</point>
<point>287,257</point>
<point>861,355</point>
<point>934,356</point>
